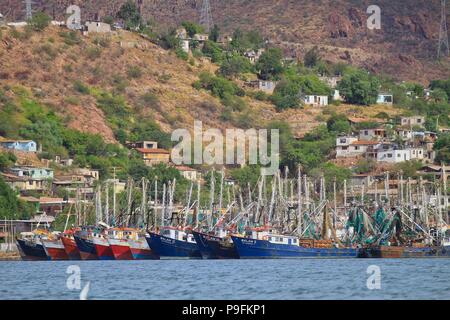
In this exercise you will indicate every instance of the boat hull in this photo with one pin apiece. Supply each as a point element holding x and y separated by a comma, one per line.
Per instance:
<point>212,247</point>
<point>86,248</point>
<point>120,249</point>
<point>168,248</point>
<point>263,249</point>
<point>103,249</point>
<point>141,251</point>
<point>31,251</point>
<point>71,248</point>
<point>55,250</point>
<point>392,252</point>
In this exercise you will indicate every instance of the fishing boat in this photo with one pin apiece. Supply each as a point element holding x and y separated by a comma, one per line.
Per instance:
<point>70,245</point>
<point>85,243</point>
<point>405,252</point>
<point>118,241</point>
<point>172,242</point>
<point>141,250</point>
<point>30,245</point>
<point>262,243</point>
<point>54,248</point>
<point>102,246</point>
<point>215,246</point>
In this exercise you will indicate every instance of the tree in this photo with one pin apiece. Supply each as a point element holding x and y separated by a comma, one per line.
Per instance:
<point>212,50</point>
<point>10,206</point>
<point>442,147</point>
<point>129,13</point>
<point>359,87</point>
<point>39,21</point>
<point>235,65</point>
<point>286,95</point>
<point>214,34</point>
<point>270,64</point>
<point>338,124</point>
<point>312,57</point>
<point>192,28</point>
<point>7,160</point>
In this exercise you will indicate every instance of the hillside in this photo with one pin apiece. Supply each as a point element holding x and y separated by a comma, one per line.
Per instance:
<point>404,48</point>
<point>53,67</point>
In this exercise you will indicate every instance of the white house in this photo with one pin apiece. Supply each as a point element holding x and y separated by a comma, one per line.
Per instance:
<point>385,98</point>
<point>337,95</point>
<point>394,156</point>
<point>352,147</point>
<point>332,82</point>
<point>262,85</point>
<point>98,27</point>
<point>185,45</point>
<point>416,153</point>
<point>189,173</point>
<point>316,100</point>
<point>201,37</point>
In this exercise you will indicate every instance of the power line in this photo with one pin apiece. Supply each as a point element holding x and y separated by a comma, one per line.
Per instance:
<point>443,48</point>
<point>206,18</point>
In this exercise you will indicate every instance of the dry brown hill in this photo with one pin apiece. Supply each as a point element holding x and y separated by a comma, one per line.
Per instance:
<point>405,47</point>
<point>49,67</point>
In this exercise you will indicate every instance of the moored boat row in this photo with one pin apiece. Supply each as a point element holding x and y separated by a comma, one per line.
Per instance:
<point>175,243</point>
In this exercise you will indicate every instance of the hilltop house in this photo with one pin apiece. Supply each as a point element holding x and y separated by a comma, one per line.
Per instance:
<point>262,85</point>
<point>343,146</point>
<point>253,55</point>
<point>142,144</point>
<point>372,134</point>
<point>316,100</point>
<point>20,145</point>
<point>385,98</point>
<point>412,121</point>
<point>23,184</point>
<point>33,173</point>
<point>394,156</point>
<point>97,27</point>
<point>332,82</point>
<point>189,173</point>
<point>25,179</point>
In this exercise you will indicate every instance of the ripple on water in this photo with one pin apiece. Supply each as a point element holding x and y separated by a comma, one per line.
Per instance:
<point>232,279</point>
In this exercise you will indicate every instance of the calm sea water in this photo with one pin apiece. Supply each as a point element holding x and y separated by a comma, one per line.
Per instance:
<point>234,279</point>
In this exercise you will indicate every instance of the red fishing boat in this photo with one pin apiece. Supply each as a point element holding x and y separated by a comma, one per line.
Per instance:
<point>70,245</point>
<point>102,246</point>
<point>54,248</point>
<point>118,241</point>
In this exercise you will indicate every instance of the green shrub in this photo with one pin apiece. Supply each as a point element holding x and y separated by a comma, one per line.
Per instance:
<point>182,54</point>
<point>81,87</point>
<point>39,21</point>
<point>134,72</point>
<point>93,53</point>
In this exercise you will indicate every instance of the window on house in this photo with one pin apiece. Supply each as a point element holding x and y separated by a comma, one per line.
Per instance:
<point>389,155</point>
<point>343,140</point>
<point>366,132</point>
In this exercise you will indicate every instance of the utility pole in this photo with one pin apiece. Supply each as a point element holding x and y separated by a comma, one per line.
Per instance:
<point>443,47</point>
<point>206,19</point>
<point>28,9</point>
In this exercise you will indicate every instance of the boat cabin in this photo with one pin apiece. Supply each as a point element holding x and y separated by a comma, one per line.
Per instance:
<point>179,235</point>
<point>123,233</point>
<point>282,239</point>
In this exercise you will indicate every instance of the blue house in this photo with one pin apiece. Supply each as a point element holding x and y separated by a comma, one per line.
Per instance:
<point>20,145</point>
<point>33,173</point>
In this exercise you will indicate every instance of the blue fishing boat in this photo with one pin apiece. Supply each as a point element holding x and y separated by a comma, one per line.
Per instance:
<point>30,247</point>
<point>173,243</point>
<point>83,239</point>
<point>215,246</point>
<point>267,245</point>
